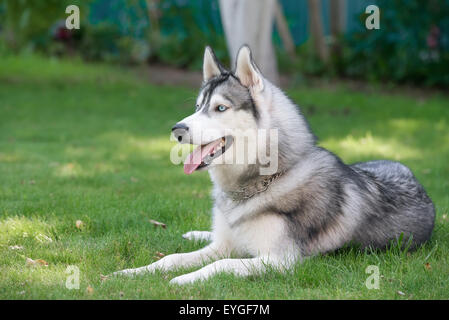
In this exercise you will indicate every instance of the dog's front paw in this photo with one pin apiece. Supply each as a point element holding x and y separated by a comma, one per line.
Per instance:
<point>198,235</point>
<point>125,272</point>
<point>188,278</point>
<point>134,272</point>
<point>165,264</point>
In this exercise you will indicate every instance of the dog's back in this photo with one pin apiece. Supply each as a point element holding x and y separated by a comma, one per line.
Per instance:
<point>395,203</point>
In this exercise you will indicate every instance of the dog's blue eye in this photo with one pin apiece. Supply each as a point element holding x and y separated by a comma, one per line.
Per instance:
<point>221,108</point>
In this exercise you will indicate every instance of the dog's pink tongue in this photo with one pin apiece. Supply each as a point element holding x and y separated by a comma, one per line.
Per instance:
<point>194,159</point>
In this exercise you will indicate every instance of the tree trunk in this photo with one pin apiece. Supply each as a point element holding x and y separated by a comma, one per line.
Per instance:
<point>284,31</point>
<point>153,14</point>
<point>251,22</point>
<point>337,23</point>
<point>154,31</point>
<point>317,30</point>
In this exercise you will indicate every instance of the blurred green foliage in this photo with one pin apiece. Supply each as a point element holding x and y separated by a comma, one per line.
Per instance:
<point>184,39</point>
<point>412,44</point>
<point>125,37</point>
<point>28,24</point>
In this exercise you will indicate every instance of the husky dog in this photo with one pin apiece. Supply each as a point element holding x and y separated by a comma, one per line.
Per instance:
<point>312,203</point>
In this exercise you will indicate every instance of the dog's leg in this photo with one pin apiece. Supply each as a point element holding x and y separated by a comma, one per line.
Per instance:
<point>239,267</point>
<point>173,261</point>
<point>198,235</point>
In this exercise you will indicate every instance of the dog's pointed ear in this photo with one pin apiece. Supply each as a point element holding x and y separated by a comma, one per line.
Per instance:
<point>211,66</point>
<point>247,71</point>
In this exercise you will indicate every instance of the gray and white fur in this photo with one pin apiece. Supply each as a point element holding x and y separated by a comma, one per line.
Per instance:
<point>317,205</point>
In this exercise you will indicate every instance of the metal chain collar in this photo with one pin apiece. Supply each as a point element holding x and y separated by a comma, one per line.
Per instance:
<point>251,190</point>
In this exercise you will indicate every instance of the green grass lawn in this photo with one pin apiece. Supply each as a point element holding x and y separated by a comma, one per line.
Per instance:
<point>91,143</point>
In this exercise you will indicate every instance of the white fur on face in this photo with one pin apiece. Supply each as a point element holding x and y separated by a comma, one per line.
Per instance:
<point>203,129</point>
<point>208,124</point>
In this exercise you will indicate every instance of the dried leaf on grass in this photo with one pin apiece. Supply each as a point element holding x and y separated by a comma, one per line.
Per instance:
<point>37,262</point>
<point>158,224</point>
<point>42,262</point>
<point>79,224</point>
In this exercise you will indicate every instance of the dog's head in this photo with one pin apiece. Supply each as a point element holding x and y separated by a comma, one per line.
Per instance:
<point>227,111</point>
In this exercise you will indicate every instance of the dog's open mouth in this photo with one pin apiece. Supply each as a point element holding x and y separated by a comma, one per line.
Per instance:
<point>203,155</point>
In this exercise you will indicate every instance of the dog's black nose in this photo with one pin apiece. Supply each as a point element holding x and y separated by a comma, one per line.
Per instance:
<point>179,131</point>
<point>180,126</point>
